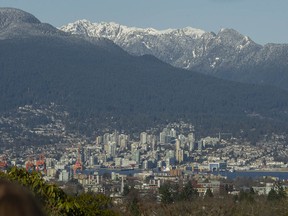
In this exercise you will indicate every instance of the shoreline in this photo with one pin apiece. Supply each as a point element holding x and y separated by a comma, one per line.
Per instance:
<point>271,171</point>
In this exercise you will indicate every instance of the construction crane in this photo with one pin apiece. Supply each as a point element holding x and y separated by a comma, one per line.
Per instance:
<point>3,162</point>
<point>78,164</point>
<point>30,166</point>
<point>41,164</point>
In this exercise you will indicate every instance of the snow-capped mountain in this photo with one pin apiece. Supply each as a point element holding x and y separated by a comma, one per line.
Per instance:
<point>118,32</point>
<point>139,41</point>
<point>227,54</point>
<point>103,87</point>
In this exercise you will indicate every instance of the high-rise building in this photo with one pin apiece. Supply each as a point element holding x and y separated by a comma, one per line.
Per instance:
<point>92,160</point>
<point>170,161</point>
<point>115,137</point>
<point>136,156</point>
<point>170,154</point>
<point>177,145</point>
<point>179,155</point>
<point>106,138</point>
<point>112,149</point>
<point>173,133</point>
<point>165,136</point>
<point>152,141</point>
<point>123,142</point>
<point>99,140</point>
<point>191,141</point>
<point>162,137</point>
<point>134,146</point>
<point>143,138</point>
<point>200,145</point>
<point>183,140</point>
<point>118,162</point>
<point>86,153</point>
<point>64,176</point>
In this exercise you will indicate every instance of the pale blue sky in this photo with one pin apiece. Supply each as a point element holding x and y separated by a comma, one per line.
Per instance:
<point>263,20</point>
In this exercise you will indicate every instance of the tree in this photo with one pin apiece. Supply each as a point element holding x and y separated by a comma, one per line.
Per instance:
<point>277,193</point>
<point>247,196</point>
<point>132,200</point>
<point>188,192</point>
<point>280,190</point>
<point>134,208</point>
<point>94,204</point>
<point>208,193</point>
<point>126,190</point>
<point>252,192</point>
<point>54,200</point>
<point>166,194</point>
<point>272,195</point>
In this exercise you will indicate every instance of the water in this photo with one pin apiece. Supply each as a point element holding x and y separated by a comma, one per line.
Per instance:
<point>229,175</point>
<point>101,171</point>
<point>254,174</point>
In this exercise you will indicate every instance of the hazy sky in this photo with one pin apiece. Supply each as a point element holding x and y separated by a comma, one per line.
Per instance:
<point>263,20</point>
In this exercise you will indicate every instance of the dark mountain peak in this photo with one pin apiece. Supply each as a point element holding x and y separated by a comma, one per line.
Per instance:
<point>229,31</point>
<point>236,41</point>
<point>231,36</point>
<point>208,36</point>
<point>15,23</point>
<point>10,16</point>
<point>18,24</point>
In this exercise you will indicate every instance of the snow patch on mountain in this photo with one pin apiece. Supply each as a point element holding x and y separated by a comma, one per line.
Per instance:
<point>113,30</point>
<point>223,54</point>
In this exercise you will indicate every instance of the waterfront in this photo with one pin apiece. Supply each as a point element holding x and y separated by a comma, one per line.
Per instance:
<point>254,174</point>
<point>101,171</point>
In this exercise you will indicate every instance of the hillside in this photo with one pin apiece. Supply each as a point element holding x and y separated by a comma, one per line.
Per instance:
<point>99,84</point>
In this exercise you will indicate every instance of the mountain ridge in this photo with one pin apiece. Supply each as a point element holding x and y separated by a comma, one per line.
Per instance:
<point>99,84</point>
<point>75,28</point>
<point>18,23</point>
<point>13,15</point>
<point>227,54</point>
